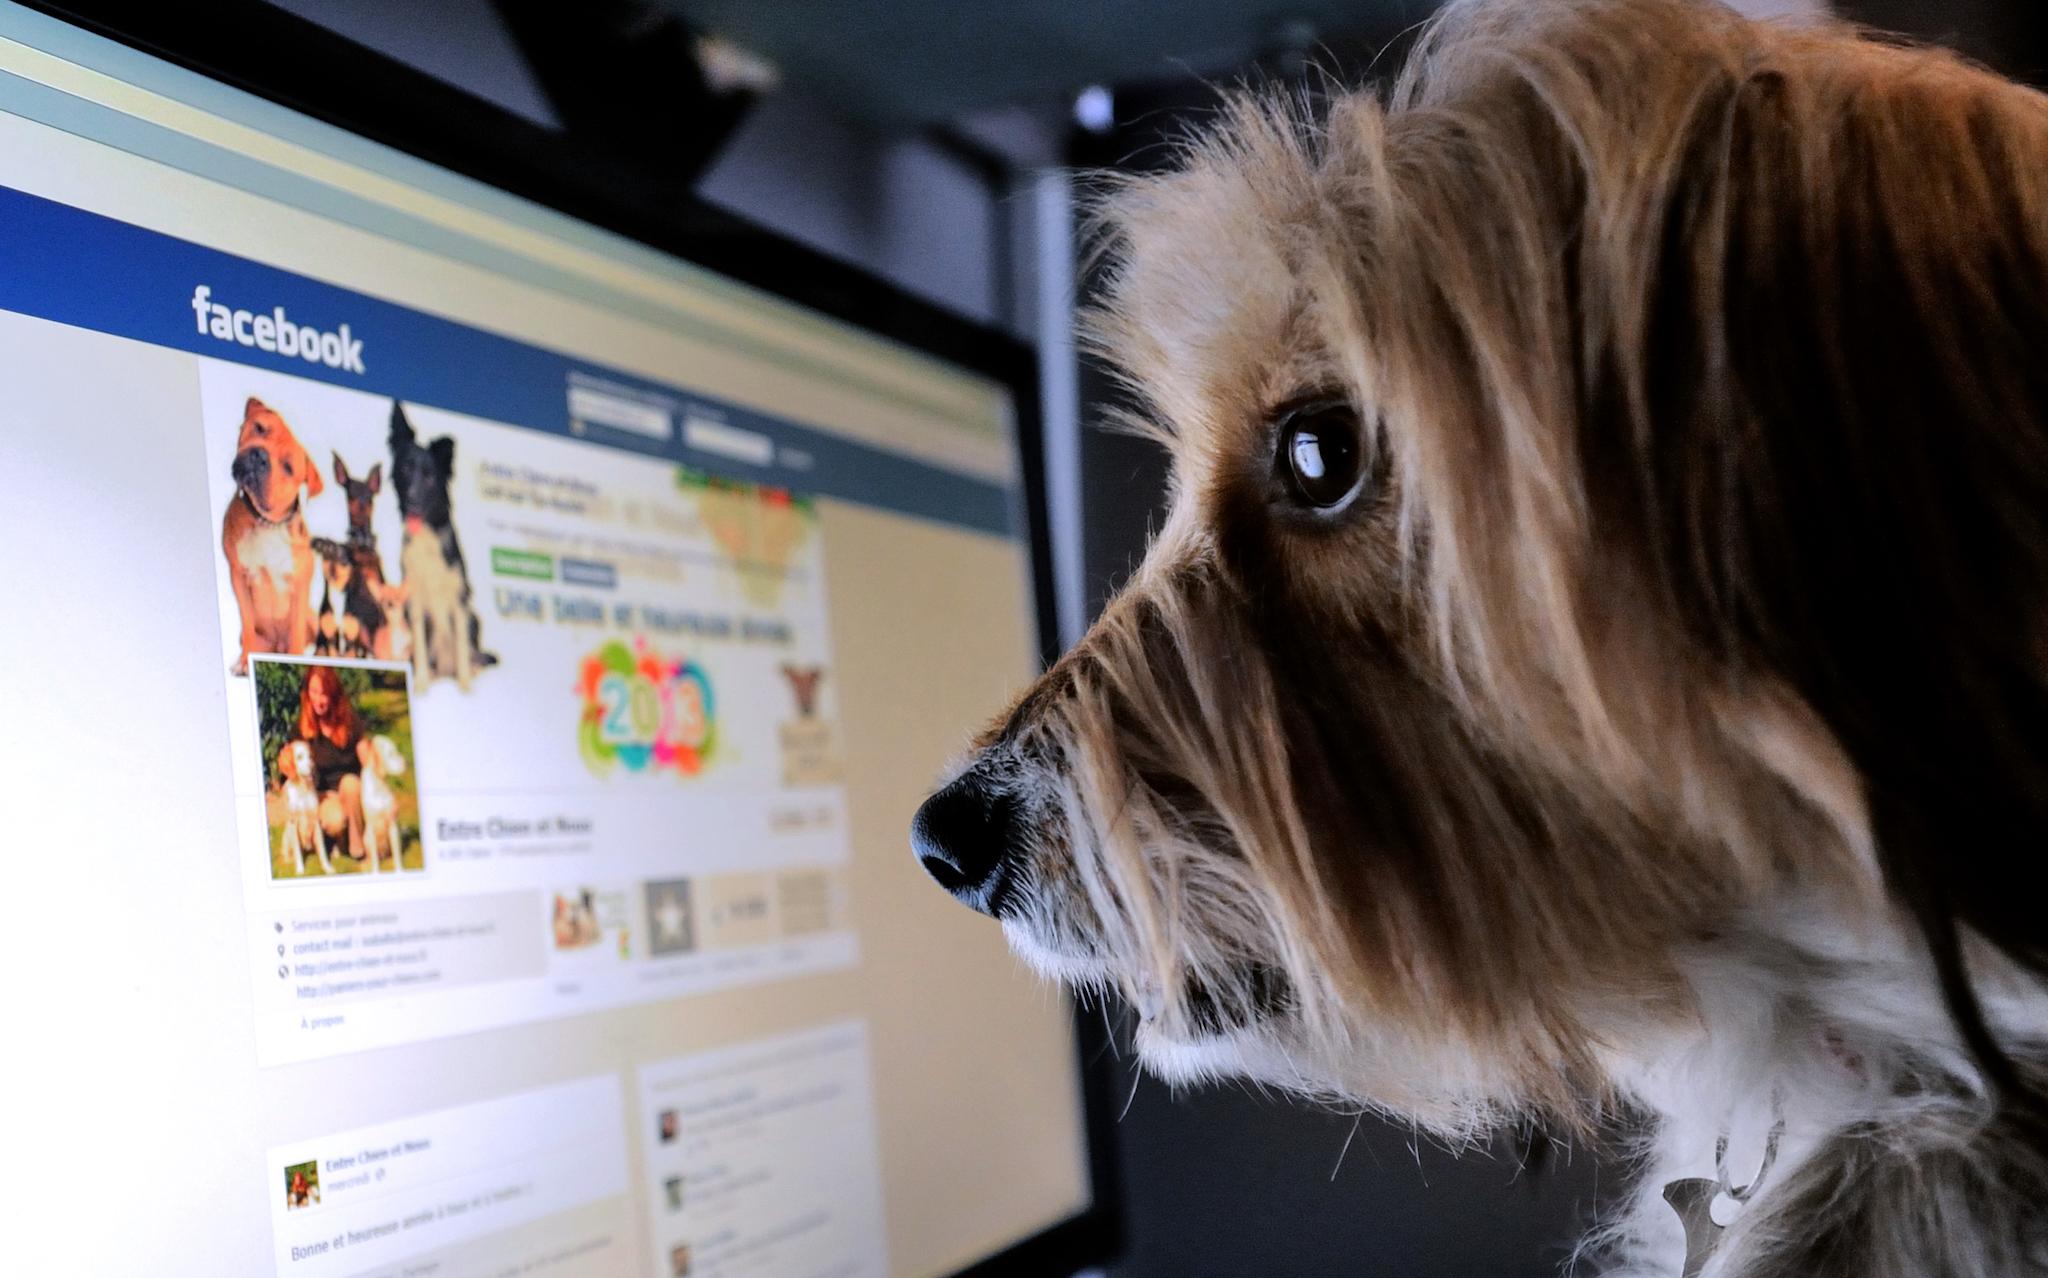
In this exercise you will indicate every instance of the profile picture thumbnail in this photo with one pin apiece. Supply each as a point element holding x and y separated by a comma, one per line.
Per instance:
<point>302,1185</point>
<point>340,794</point>
<point>679,1261</point>
<point>673,1189</point>
<point>667,1126</point>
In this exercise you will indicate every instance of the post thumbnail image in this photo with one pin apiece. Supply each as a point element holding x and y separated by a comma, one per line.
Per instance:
<point>340,795</point>
<point>309,523</point>
<point>302,1185</point>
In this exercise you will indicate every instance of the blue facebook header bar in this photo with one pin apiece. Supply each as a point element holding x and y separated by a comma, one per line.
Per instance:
<point>64,264</point>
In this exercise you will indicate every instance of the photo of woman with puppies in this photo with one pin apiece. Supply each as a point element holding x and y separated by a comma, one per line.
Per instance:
<point>340,795</point>
<point>302,1185</point>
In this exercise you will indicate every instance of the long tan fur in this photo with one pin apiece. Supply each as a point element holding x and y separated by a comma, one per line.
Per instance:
<point>1701,362</point>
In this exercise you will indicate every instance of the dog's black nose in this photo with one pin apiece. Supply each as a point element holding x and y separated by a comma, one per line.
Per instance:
<point>965,836</point>
<point>251,468</point>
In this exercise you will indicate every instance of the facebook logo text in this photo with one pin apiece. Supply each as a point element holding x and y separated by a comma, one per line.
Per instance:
<point>276,332</point>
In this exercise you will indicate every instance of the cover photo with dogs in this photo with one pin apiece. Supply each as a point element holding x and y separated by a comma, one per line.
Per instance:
<point>338,534</point>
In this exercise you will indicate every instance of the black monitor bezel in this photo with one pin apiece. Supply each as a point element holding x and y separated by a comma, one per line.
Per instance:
<point>289,60</point>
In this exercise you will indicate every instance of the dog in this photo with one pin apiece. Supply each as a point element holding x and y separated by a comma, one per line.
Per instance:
<point>396,636</point>
<point>358,605</point>
<point>264,536</point>
<point>302,809</point>
<point>1592,668</point>
<point>381,761</point>
<point>335,632</point>
<point>440,616</point>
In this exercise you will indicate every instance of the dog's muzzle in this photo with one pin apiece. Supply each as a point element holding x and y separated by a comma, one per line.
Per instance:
<point>251,470</point>
<point>968,837</point>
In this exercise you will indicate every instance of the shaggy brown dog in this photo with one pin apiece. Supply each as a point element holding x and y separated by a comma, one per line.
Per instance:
<point>1594,660</point>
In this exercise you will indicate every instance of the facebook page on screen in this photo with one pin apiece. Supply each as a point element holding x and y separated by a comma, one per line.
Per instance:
<point>488,761</point>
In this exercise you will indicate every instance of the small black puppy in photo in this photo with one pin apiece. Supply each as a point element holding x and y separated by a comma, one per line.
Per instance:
<point>440,614</point>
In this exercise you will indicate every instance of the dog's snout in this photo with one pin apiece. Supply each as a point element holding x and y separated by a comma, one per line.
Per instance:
<point>966,837</point>
<point>251,467</point>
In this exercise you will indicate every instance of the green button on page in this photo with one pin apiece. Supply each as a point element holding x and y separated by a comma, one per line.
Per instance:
<point>507,562</point>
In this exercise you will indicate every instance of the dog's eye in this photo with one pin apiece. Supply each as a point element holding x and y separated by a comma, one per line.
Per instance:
<point>1320,453</point>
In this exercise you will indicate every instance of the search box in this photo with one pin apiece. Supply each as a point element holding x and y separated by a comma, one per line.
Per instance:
<point>601,408</point>
<point>751,446</point>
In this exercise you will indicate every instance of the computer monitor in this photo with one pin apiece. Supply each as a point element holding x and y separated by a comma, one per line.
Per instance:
<point>468,673</point>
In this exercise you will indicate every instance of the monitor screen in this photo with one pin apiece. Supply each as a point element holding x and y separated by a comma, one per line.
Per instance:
<point>468,677</point>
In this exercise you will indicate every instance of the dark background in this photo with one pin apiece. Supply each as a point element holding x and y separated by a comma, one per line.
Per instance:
<point>929,142</point>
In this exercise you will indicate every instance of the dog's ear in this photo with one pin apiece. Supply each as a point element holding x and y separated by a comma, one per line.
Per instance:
<point>1845,356</point>
<point>340,471</point>
<point>314,484</point>
<point>1807,375</point>
<point>401,428</point>
<point>375,479</point>
<point>253,407</point>
<point>443,450</point>
<point>287,765</point>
